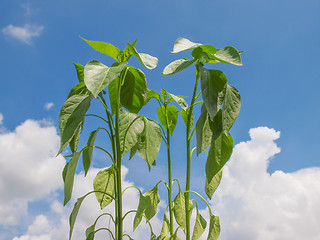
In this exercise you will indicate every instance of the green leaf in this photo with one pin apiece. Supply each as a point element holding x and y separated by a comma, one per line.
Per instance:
<point>168,114</point>
<point>104,185</point>
<point>105,48</point>
<point>164,95</point>
<point>98,76</point>
<point>177,66</point>
<point>75,141</point>
<point>126,53</point>
<point>147,205</point>
<point>149,142</point>
<point>184,115</point>
<point>199,226</point>
<point>133,90</point>
<point>181,102</point>
<point>71,117</point>
<point>112,90</point>
<point>203,131</point>
<point>151,94</point>
<point>206,51</point>
<point>183,44</point>
<point>231,107</point>
<point>79,89</point>
<point>146,60</point>
<point>87,152</point>
<point>214,228</point>
<point>212,186</point>
<point>68,174</point>
<point>213,85</point>
<point>74,213</point>
<point>216,125</point>
<point>179,209</point>
<point>130,129</point>
<point>228,55</point>
<point>90,232</point>
<point>219,153</point>
<point>165,232</point>
<point>80,71</point>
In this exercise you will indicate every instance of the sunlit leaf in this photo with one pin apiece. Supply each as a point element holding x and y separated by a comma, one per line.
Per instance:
<point>165,230</point>
<point>206,51</point>
<point>105,48</point>
<point>199,226</point>
<point>231,107</point>
<point>229,55</point>
<point>179,209</point>
<point>146,60</point>
<point>214,228</point>
<point>177,66</point>
<point>181,102</point>
<point>103,184</point>
<point>183,44</point>
<point>151,94</point>
<point>168,114</point>
<point>80,71</point>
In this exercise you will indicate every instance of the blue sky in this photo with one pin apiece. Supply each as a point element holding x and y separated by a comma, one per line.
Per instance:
<point>278,83</point>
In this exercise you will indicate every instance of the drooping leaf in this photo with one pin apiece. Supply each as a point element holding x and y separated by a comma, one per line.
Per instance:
<point>214,228</point>
<point>168,114</point>
<point>231,107</point>
<point>68,174</point>
<point>105,48</point>
<point>148,203</point>
<point>179,209</point>
<point>87,152</point>
<point>98,76</point>
<point>103,184</point>
<point>213,85</point>
<point>229,55</point>
<point>199,226</point>
<point>133,90</point>
<point>130,129</point>
<point>146,60</point>
<point>219,153</point>
<point>74,213</point>
<point>75,140</point>
<point>212,186</point>
<point>181,102</point>
<point>203,131</point>
<point>206,51</point>
<point>183,44</point>
<point>90,232</point>
<point>80,73</point>
<point>71,117</point>
<point>149,142</point>
<point>177,66</point>
<point>165,232</point>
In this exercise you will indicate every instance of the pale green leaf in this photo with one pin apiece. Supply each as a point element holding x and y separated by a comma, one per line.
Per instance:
<point>87,152</point>
<point>79,89</point>
<point>219,153</point>
<point>146,60</point>
<point>179,209</point>
<point>206,51</point>
<point>165,230</point>
<point>229,55</point>
<point>199,226</point>
<point>103,184</point>
<point>212,186</point>
<point>98,76</point>
<point>181,102</point>
<point>177,66</point>
<point>74,213</point>
<point>231,107</point>
<point>168,117</point>
<point>183,44</point>
<point>105,48</point>
<point>214,228</point>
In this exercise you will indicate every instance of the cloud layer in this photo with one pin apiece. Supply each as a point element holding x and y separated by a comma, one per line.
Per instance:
<point>25,33</point>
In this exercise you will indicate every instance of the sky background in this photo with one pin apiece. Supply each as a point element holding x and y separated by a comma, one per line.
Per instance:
<point>271,186</point>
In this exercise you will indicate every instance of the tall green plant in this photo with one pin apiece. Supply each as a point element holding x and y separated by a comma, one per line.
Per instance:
<point>124,127</point>
<point>220,108</point>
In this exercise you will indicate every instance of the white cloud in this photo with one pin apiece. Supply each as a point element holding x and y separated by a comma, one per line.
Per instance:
<point>48,105</point>
<point>25,33</point>
<point>29,169</point>
<point>1,118</point>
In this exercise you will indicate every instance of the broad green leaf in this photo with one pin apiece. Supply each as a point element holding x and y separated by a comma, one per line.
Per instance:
<point>203,131</point>
<point>112,90</point>
<point>231,107</point>
<point>75,140</point>
<point>199,226</point>
<point>177,66</point>
<point>219,153</point>
<point>71,117</point>
<point>168,114</point>
<point>149,142</point>
<point>79,89</point>
<point>105,48</point>
<point>184,115</point>
<point>213,85</point>
<point>151,94</point>
<point>164,95</point>
<point>146,60</point>
<point>211,187</point>
<point>103,184</point>
<point>229,55</point>
<point>181,102</point>
<point>90,232</point>
<point>206,51</point>
<point>179,209</point>
<point>98,76</point>
<point>214,228</point>
<point>183,44</point>
<point>133,90</point>
<point>165,232</point>
<point>147,205</point>
<point>80,72</point>
<point>126,53</point>
<point>216,125</point>
<point>130,129</point>
<point>68,174</point>
<point>74,213</point>
<point>87,152</point>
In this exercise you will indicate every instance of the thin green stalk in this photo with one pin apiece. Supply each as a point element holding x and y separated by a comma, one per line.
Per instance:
<point>188,139</point>
<point>170,182</point>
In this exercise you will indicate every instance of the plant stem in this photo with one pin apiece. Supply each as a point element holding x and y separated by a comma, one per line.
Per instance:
<point>188,138</point>
<point>170,182</point>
